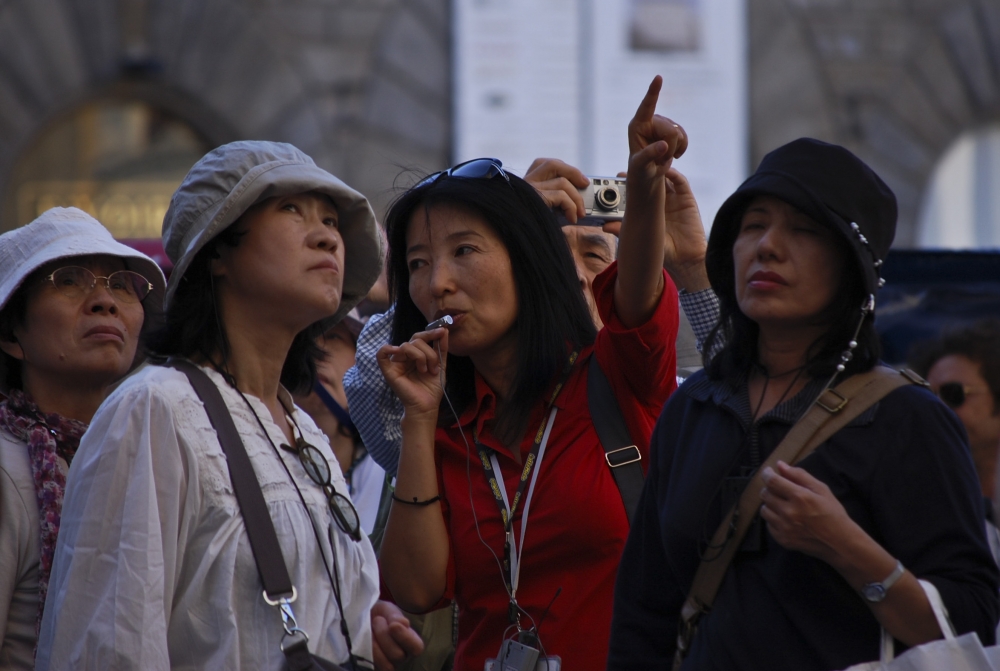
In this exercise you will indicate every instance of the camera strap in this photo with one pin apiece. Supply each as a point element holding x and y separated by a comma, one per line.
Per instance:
<point>529,472</point>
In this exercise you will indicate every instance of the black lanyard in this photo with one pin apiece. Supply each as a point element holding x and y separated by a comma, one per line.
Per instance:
<point>495,484</point>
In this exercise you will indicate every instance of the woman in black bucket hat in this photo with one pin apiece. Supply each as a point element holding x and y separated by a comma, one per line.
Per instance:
<point>842,538</point>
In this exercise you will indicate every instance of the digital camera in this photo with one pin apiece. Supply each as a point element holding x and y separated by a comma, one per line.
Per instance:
<point>603,200</point>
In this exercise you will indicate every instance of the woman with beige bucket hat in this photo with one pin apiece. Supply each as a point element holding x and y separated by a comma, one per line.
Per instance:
<point>155,568</point>
<point>72,305</point>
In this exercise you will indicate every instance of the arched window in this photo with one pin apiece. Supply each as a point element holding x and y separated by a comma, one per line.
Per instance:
<point>961,206</point>
<point>119,160</point>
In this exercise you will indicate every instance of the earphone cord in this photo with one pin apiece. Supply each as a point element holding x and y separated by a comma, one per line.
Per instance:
<point>468,477</point>
<point>468,462</point>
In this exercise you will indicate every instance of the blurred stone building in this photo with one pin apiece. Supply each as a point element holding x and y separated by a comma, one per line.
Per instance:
<point>896,81</point>
<point>106,103</point>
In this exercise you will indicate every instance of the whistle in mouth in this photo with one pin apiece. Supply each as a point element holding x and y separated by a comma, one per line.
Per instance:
<point>438,323</point>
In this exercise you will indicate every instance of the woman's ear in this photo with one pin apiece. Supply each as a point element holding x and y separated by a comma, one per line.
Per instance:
<point>10,346</point>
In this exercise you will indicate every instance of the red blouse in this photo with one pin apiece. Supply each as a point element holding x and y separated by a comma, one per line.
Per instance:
<point>577,524</point>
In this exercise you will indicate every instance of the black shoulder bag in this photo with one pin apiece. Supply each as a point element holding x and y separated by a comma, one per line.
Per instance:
<point>278,589</point>
<point>620,451</point>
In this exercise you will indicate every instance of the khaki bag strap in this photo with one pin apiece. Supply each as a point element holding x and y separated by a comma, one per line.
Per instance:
<point>833,410</point>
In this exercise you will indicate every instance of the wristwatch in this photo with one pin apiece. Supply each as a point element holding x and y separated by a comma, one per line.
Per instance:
<point>875,591</point>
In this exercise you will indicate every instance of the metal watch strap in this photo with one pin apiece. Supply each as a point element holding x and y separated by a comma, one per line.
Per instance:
<point>833,410</point>
<point>620,451</point>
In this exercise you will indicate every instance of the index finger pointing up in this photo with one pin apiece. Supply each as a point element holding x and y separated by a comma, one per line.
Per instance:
<point>648,105</point>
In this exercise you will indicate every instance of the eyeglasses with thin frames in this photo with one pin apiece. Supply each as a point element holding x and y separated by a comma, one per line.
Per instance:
<point>318,469</point>
<point>76,282</point>
<point>477,168</point>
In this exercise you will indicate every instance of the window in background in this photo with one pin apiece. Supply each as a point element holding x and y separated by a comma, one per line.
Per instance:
<point>563,78</point>
<point>118,160</point>
<point>665,25</point>
<point>961,206</point>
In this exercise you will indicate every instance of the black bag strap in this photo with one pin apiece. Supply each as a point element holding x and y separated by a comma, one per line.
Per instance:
<point>260,529</point>
<point>620,451</point>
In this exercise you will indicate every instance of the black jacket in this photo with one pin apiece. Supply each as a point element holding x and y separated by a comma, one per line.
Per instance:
<point>903,472</point>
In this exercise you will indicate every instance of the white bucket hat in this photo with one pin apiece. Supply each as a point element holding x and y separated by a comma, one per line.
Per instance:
<point>228,180</point>
<point>65,232</point>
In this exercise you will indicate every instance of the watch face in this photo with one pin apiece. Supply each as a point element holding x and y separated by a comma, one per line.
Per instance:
<point>873,592</point>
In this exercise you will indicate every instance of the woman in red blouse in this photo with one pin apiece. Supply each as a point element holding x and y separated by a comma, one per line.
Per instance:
<point>503,499</point>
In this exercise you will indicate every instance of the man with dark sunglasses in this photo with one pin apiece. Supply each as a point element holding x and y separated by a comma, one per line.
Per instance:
<point>963,369</point>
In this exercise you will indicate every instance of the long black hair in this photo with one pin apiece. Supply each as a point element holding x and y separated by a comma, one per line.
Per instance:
<point>731,347</point>
<point>552,312</point>
<point>192,327</point>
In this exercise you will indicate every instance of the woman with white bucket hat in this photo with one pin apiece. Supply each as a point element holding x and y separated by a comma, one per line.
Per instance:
<point>155,569</point>
<point>72,306</point>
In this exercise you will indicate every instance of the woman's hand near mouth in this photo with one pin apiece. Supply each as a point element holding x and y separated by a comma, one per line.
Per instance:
<point>414,371</point>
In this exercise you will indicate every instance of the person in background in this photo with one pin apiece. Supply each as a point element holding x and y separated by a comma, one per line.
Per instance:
<point>154,568</point>
<point>963,369</point>
<point>327,405</point>
<point>73,303</point>
<point>377,412</point>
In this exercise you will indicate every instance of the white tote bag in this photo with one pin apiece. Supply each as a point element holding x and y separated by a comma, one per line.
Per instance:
<point>952,653</point>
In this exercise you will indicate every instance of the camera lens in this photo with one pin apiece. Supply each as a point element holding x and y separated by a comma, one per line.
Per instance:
<point>608,197</point>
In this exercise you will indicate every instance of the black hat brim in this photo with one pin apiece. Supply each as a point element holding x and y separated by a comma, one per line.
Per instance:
<point>785,187</point>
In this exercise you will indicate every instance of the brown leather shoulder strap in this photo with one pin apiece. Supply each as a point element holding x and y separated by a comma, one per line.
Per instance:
<point>833,410</point>
<point>246,487</point>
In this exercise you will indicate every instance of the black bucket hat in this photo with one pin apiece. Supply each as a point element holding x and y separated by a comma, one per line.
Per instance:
<point>824,181</point>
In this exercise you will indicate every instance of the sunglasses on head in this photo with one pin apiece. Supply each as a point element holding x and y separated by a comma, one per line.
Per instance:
<point>477,168</point>
<point>954,394</point>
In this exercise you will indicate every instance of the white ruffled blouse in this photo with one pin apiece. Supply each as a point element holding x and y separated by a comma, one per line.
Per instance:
<point>153,567</point>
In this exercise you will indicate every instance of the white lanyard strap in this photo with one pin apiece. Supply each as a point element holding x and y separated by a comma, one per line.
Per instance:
<point>515,553</point>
